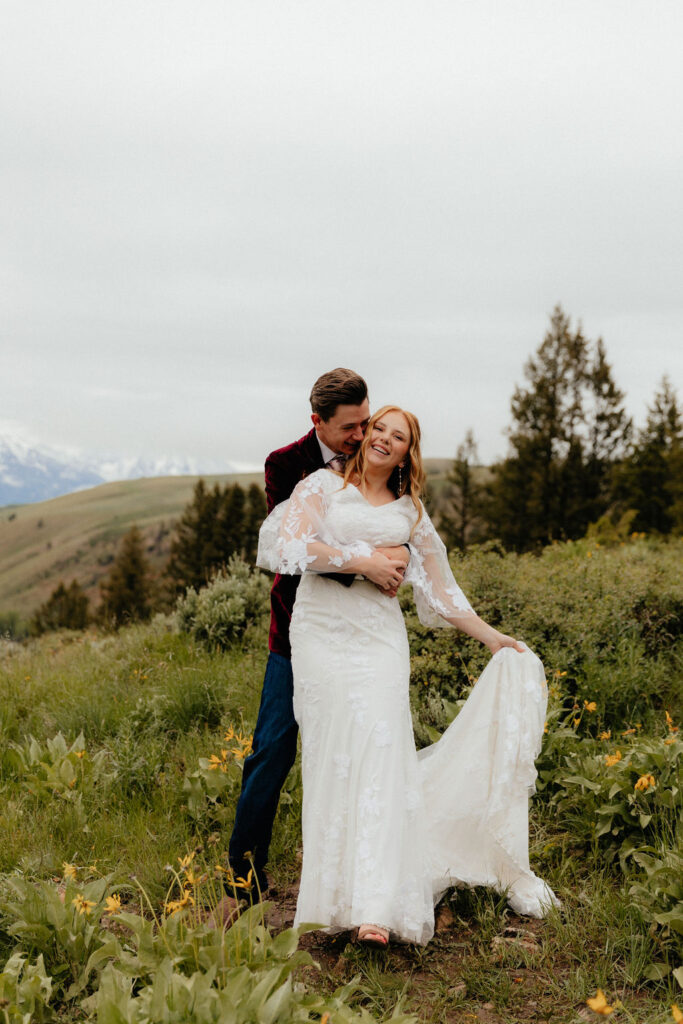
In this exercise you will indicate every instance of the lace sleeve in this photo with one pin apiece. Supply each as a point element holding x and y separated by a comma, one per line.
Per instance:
<point>438,598</point>
<point>295,537</point>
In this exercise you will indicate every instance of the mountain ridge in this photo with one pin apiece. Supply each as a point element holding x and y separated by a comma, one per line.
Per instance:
<point>32,472</point>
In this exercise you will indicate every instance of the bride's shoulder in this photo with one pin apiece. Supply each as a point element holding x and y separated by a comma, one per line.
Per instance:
<point>321,481</point>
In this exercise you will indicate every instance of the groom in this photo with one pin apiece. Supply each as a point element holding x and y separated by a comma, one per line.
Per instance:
<point>340,412</point>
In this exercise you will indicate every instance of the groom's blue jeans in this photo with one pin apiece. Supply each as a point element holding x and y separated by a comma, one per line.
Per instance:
<point>265,770</point>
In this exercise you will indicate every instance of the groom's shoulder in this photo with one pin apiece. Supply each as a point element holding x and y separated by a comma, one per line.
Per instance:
<point>306,448</point>
<point>286,466</point>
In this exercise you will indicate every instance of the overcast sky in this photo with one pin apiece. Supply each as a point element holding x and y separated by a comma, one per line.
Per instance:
<point>204,205</point>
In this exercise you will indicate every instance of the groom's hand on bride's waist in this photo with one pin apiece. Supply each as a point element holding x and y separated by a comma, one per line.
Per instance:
<point>398,554</point>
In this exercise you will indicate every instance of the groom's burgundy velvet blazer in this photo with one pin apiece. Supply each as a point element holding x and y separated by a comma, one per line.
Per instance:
<point>284,468</point>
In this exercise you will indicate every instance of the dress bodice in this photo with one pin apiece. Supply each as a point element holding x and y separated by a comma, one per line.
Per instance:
<point>351,518</point>
<point>325,526</point>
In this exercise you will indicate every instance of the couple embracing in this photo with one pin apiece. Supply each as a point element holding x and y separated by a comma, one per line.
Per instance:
<point>386,830</point>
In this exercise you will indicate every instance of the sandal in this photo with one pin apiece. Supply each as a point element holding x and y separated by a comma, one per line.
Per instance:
<point>373,935</point>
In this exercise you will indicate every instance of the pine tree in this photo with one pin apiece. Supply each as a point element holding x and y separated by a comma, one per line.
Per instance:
<point>127,590</point>
<point>569,428</point>
<point>193,546</point>
<point>229,525</point>
<point>65,608</point>
<point>254,514</point>
<point>459,524</point>
<point>651,479</point>
<point>215,525</point>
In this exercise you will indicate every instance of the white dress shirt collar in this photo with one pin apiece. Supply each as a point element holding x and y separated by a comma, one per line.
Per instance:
<point>327,453</point>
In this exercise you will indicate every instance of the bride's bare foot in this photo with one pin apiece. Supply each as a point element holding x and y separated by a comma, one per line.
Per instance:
<point>373,935</point>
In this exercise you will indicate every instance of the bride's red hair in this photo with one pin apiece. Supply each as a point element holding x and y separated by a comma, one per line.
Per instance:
<point>412,475</point>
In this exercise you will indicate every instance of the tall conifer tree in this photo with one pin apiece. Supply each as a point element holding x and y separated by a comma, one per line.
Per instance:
<point>458,523</point>
<point>569,426</point>
<point>651,479</point>
<point>127,590</point>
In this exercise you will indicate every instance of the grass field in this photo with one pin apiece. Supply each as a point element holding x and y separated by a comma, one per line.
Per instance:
<point>106,785</point>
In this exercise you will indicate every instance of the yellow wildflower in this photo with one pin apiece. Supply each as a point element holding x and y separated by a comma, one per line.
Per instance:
<point>670,722</point>
<point>590,705</point>
<point>82,905</point>
<point>228,872</point>
<point>79,753</point>
<point>612,759</point>
<point>230,735</point>
<point>215,762</point>
<point>599,1004</point>
<point>545,727</point>
<point>645,782</point>
<point>112,904</point>
<point>69,871</point>
<point>245,883</point>
<point>186,860</point>
<point>576,722</point>
<point>628,732</point>
<point>589,554</point>
<point>605,735</point>
<point>192,879</point>
<point>670,741</point>
<point>173,906</point>
<point>676,1013</point>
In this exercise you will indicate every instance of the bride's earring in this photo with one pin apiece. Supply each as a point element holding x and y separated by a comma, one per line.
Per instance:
<point>400,479</point>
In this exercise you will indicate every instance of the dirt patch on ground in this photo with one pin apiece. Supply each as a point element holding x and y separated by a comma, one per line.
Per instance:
<point>463,975</point>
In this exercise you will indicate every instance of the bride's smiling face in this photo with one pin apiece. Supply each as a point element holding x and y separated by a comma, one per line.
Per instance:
<point>388,442</point>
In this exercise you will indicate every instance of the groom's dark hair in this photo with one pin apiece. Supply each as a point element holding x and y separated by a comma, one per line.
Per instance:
<point>338,387</point>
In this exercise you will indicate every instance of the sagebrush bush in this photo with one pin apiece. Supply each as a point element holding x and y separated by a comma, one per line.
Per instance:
<point>219,613</point>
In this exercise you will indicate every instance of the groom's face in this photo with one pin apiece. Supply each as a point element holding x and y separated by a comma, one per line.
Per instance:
<point>344,430</point>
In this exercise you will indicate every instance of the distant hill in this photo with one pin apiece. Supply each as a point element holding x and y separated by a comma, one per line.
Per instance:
<point>76,536</point>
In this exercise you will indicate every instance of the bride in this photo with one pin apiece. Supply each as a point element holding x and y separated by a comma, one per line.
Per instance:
<point>386,830</point>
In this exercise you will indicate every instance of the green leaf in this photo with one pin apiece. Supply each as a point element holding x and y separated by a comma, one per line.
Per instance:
<point>655,972</point>
<point>580,780</point>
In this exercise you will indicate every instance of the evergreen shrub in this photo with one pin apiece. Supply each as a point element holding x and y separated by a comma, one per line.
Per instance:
<point>219,613</point>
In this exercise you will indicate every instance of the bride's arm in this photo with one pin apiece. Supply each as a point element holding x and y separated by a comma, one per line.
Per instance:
<point>295,538</point>
<point>475,627</point>
<point>438,598</point>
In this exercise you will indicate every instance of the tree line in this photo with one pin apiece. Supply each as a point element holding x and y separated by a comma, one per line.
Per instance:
<point>575,459</point>
<point>216,524</point>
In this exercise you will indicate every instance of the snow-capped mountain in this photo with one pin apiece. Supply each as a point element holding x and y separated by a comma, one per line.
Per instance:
<point>30,473</point>
<point>35,472</point>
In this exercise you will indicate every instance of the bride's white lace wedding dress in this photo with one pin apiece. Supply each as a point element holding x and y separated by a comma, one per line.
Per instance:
<point>387,830</point>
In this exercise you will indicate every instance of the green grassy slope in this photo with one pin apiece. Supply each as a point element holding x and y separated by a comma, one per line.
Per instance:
<point>75,536</point>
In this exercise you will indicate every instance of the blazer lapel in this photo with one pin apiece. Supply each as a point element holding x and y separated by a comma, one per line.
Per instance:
<point>312,455</point>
